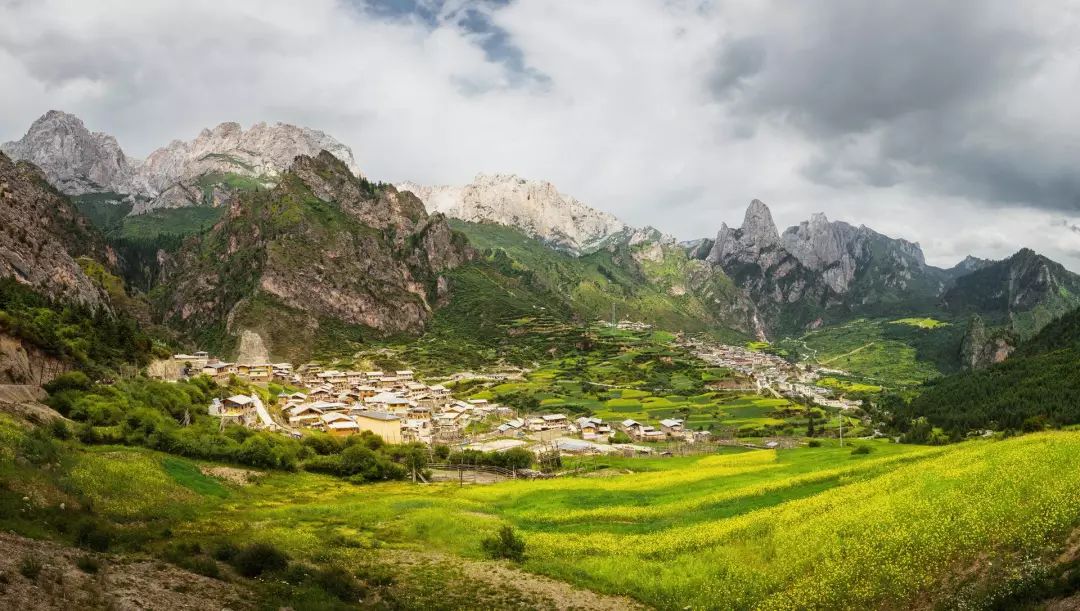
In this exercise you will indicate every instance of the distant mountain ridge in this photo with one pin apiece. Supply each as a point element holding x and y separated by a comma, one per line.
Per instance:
<point>203,171</point>
<point>754,279</point>
<point>820,267</point>
<point>535,207</point>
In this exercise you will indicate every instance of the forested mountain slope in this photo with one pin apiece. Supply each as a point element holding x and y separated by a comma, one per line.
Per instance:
<point>1039,385</point>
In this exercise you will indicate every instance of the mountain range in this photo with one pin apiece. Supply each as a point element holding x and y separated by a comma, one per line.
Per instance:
<point>301,244</point>
<point>202,171</point>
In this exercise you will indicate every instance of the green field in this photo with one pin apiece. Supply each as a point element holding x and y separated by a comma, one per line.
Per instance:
<point>922,323</point>
<point>963,526</point>
<point>882,352</point>
<point>645,377</point>
<point>810,528</point>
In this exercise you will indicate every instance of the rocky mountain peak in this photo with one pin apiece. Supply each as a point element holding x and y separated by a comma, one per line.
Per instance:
<point>171,175</point>
<point>758,225</point>
<point>535,207</point>
<point>183,173</point>
<point>74,159</point>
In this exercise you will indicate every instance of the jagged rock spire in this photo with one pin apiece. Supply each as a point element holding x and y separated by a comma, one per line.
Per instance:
<point>758,226</point>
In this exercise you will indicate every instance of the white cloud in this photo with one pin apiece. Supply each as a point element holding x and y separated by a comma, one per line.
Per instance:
<point>623,116</point>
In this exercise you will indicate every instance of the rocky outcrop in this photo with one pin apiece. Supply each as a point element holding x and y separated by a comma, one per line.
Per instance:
<point>819,266</point>
<point>968,265</point>
<point>74,159</point>
<point>41,233</point>
<point>982,347</point>
<point>207,170</point>
<point>755,258</point>
<point>24,363</point>
<point>322,248</point>
<point>1024,292</point>
<point>838,251</point>
<point>187,173</point>
<point>535,207</point>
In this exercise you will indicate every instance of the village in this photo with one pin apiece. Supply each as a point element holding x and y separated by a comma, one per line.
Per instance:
<point>399,408</point>
<point>771,374</point>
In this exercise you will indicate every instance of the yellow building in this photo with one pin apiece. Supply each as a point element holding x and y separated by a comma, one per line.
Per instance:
<point>382,424</point>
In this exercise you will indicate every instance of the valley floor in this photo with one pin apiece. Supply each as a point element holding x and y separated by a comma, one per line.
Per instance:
<point>898,526</point>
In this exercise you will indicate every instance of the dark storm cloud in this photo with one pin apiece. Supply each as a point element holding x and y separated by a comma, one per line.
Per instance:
<point>914,92</point>
<point>740,59</point>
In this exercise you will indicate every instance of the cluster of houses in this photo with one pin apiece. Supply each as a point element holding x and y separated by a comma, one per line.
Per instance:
<point>221,371</point>
<point>771,373</point>
<point>394,405</point>
<point>670,429</point>
<point>399,408</point>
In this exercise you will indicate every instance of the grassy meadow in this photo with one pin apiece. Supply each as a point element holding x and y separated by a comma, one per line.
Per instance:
<point>967,525</point>
<point>883,352</point>
<point>805,528</point>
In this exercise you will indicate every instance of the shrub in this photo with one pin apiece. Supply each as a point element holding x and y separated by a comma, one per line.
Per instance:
<point>88,564</point>
<point>814,443</point>
<point>38,448</point>
<point>225,552</point>
<point>259,558</point>
<point>861,450</point>
<point>620,437</point>
<point>202,566</point>
<point>339,583</point>
<point>505,544</point>
<point>72,380</point>
<point>59,428</point>
<point>30,567</point>
<point>91,535</point>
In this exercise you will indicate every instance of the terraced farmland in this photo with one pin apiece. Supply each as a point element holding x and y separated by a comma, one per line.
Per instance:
<point>806,528</point>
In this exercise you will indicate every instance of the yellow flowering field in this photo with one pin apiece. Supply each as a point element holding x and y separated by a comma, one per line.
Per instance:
<point>806,528</point>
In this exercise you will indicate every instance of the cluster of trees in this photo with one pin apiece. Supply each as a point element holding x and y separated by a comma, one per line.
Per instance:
<point>514,458</point>
<point>94,340</point>
<point>172,417</point>
<point>364,457</point>
<point>1020,394</point>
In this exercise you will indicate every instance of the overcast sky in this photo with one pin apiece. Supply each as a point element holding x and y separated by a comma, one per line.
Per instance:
<point>951,123</point>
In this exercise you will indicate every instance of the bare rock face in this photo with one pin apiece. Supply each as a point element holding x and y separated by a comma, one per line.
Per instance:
<point>535,207</point>
<point>207,170</point>
<point>324,247</point>
<point>39,233</point>
<point>170,176</point>
<point>837,249</point>
<point>74,159</point>
<point>818,264</point>
<point>756,242</point>
<point>252,348</point>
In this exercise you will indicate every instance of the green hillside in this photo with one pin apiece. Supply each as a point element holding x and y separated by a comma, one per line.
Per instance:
<point>663,287</point>
<point>1024,292</point>
<point>1036,387</point>
<point>899,352</point>
<point>974,525</point>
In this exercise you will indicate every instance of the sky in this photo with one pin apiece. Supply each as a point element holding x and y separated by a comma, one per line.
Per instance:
<point>952,124</point>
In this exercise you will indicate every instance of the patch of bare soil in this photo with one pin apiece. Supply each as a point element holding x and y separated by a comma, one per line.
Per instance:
<point>44,575</point>
<point>543,592</point>
<point>1071,603</point>
<point>240,477</point>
